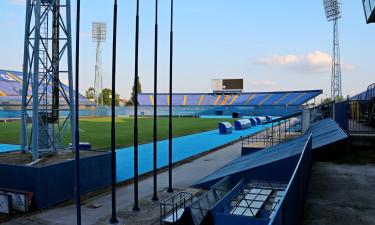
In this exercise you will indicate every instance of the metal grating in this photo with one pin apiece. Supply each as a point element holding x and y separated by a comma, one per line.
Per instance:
<point>258,199</point>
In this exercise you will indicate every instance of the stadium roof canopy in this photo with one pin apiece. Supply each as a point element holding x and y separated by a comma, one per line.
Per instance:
<point>11,87</point>
<point>280,98</point>
<point>366,95</point>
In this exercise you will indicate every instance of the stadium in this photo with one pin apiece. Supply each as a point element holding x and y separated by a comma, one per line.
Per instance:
<point>226,156</point>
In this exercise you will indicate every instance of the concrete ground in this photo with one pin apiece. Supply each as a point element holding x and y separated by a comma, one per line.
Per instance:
<point>183,176</point>
<point>341,194</point>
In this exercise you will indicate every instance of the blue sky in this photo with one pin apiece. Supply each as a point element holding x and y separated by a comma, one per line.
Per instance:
<point>273,45</point>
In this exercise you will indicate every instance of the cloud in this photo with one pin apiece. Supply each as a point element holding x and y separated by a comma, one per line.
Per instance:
<point>313,62</point>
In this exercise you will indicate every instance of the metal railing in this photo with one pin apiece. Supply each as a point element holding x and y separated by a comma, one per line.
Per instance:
<point>169,208</point>
<point>361,117</point>
<point>281,129</point>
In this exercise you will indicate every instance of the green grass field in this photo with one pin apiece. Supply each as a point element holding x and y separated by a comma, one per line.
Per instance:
<point>97,130</point>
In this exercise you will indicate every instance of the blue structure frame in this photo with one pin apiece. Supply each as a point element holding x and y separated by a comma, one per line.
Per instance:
<point>369,6</point>
<point>42,73</point>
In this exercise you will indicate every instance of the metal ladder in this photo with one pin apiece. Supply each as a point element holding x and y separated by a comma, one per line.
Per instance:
<point>44,74</point>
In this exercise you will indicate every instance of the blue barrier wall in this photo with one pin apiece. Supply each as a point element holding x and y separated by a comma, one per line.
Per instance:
<point>341,116</point>
<point>292,206</point>
<point>55,183</point>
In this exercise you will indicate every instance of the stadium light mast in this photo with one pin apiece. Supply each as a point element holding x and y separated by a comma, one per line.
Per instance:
<point>47,62</point>
<point>332,12</point>
<point>99,36</point>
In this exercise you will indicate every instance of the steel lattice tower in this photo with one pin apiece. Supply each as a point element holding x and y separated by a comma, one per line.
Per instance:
<point>336,87</point>
<point>47,104</point>
<point>99,34</point>
<point>332,11</point>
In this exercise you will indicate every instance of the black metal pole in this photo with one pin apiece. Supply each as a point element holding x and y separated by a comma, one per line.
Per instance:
<point>136,78</point>
<point>170,189</point>
<point>114,219</point>
<point>76,144</point>
<point>155,196</point>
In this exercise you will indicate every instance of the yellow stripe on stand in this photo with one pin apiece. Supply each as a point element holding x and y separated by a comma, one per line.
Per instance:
<point>15,77</point>
<point>233,100</point>
<point>185,99</point>
<point>250,98</point>
<point>217,100</point>
<point>298,97</point>
<point>265,99</point>
<point>225,100</point>
<point>201,100</point>
<point>280,99</point>
<point>152,100</point>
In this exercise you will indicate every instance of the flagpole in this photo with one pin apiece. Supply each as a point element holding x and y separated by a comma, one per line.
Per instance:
<point>155,197</point>
<point>170,188</point>
<point>114,219</point>
<point>76,133</point>
<point>136,81</point>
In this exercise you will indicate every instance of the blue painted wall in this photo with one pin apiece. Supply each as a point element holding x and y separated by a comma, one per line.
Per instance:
<point>55,183</point>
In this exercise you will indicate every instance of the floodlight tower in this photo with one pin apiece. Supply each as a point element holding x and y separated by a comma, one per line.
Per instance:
<point>47,104</point>
<point>99,35</point>
<point>332,11</point>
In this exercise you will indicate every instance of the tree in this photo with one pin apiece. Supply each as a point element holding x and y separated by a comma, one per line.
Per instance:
<point>90,93</point>
<point>132,100</point>
<point>107,98</point>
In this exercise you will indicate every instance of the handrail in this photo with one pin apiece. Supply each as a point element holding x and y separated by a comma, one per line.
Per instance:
<point>174,203</point>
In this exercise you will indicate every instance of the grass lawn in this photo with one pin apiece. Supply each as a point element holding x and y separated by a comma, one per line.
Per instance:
<point>97,130</point>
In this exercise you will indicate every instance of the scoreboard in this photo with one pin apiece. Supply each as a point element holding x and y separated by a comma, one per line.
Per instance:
<point>227,85</point>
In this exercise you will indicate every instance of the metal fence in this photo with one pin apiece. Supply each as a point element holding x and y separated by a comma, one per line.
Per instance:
<point>361,117</point>
<point>292,205</point>
<point>281,129</point>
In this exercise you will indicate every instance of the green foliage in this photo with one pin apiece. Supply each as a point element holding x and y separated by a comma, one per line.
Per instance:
<point>326,101</point>
<point>107,99</point>
<point>132,100</point>
<point>90,93</point>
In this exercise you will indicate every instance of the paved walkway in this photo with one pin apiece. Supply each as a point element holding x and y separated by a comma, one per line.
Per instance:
<point>341,195</point>
<point>183,176</point>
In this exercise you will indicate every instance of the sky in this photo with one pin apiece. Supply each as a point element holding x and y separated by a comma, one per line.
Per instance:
<point>274,45</point>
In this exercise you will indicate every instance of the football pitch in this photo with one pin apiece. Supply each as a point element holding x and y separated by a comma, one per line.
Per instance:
<point>97,131</point>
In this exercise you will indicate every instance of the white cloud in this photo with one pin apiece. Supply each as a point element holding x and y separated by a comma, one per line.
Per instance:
<point>313,62</point>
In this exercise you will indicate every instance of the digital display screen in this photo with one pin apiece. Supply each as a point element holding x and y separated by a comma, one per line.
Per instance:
<point>233,84</point>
